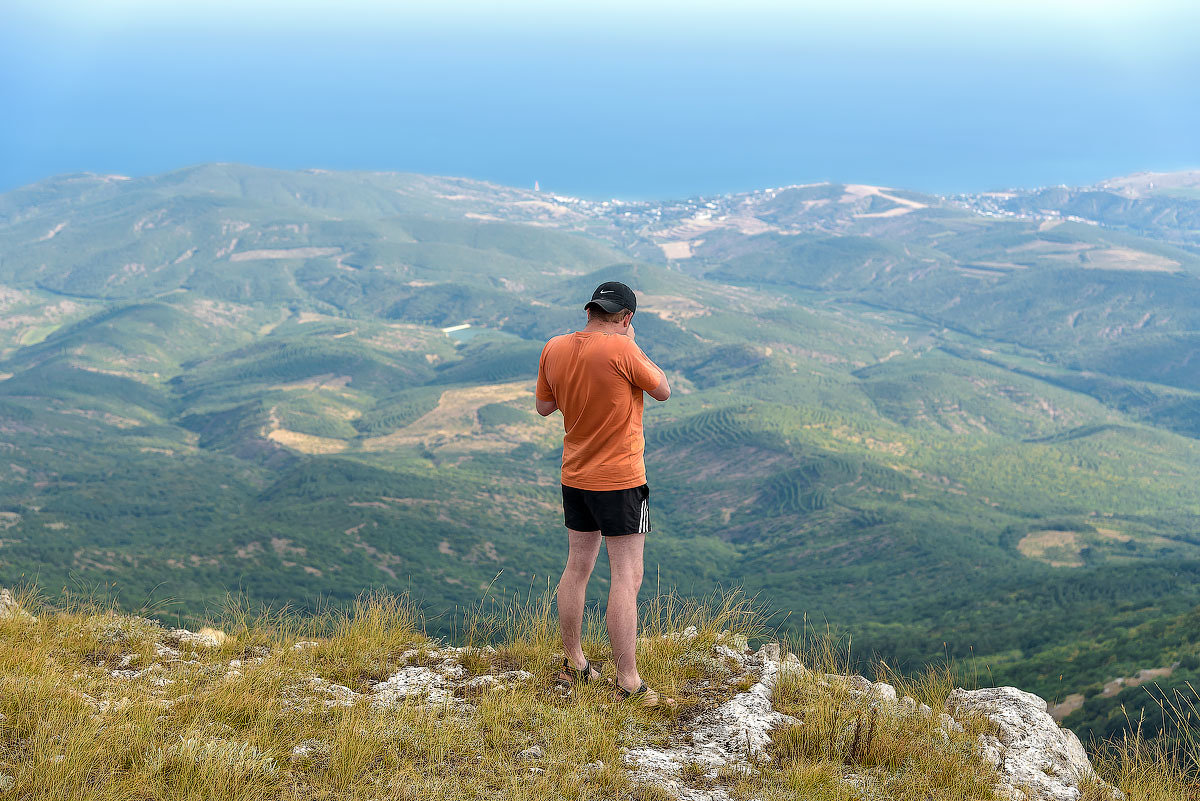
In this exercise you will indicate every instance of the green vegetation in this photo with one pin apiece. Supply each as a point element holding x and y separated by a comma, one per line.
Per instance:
<point>949,434</point>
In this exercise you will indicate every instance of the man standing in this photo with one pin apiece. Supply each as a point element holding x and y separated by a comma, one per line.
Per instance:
<point>596,377</point>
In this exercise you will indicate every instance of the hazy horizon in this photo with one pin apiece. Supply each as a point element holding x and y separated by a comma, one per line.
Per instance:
<point>615,102</point>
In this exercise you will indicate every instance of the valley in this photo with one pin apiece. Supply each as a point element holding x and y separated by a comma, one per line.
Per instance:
<point>963,427</point>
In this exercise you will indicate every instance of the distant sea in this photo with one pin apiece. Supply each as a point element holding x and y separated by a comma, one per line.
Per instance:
<point>605,115</point>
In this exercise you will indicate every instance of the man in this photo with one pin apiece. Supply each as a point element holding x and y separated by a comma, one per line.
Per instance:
<point>596,377</point>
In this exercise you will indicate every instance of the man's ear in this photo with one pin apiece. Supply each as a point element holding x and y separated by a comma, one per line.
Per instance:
<point>629,320</point>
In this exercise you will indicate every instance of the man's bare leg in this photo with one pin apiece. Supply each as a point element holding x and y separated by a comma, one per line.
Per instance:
<point>625,564</point>
<point>584,546</point>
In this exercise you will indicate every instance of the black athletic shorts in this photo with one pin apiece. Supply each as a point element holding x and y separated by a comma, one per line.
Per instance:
<point>611,512</point>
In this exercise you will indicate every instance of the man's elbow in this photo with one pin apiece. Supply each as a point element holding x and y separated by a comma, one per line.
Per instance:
<point>545,408</point>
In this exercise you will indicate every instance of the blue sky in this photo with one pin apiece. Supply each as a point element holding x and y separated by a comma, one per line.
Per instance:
<point>615,100</point>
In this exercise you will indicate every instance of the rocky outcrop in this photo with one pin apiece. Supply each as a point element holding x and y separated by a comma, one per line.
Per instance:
<point>734,735</point>
<point>441,679</point>
<point>729,732</point>
<point>1036,759</point>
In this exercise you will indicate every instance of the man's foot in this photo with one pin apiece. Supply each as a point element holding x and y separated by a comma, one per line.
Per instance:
<point>569,676</point>
<point>646,697</point>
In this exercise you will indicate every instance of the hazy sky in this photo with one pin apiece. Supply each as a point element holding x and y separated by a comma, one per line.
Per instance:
<point>626,99</point>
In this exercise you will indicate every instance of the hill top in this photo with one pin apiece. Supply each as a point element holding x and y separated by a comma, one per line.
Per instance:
<point>101,705</point>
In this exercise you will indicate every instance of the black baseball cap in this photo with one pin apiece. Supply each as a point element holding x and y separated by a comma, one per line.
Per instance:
<point>613,296</point>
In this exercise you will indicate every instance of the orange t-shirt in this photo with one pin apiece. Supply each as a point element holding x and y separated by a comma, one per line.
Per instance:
<point>597,381</point>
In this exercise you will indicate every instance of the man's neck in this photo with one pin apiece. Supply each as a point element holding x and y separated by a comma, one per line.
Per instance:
<point>603,327</point>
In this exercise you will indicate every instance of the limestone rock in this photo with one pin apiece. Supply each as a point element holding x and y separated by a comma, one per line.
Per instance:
<point>734,735</point>
<point>688,634</point>
<point>854,684</point>
<point>591,768</point>
<point>736,657</point>
<point>310,751</point>
<point>1035,758</point>
<point>205,638</point>
<point>532,753</point>
<point>884,692</point>
<point>436,683</point>
<point>949,724</point>
<point>736,641</point>
<point>332,694</point>
<point>490,681</point>
<point>10,608</point>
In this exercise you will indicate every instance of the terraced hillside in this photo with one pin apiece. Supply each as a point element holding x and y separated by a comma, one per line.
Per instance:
<point>946,427</point>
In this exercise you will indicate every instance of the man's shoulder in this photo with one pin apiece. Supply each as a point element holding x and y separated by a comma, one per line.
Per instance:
<point>556,342</point>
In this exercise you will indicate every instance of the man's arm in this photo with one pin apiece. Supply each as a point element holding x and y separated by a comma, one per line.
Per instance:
<point>663,390</point>
<point>645,374</point>
<point>543,394</point>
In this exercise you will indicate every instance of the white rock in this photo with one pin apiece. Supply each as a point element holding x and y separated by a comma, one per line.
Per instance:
<point>990,750</point>
<point>491,680</point>
<point>734,734</point>
<point>205,638</point>
<point>10,608</point>
<point>305,645</point>
<point>167,703</point>
<point>309,750</point>
<point>532,753</point>
<point>949,724</point>
<point>1031,752</point>
<point>135,674</point>
<point>688,634</point>
<point>335,694</point>
<point>884,692</point>
<point>737,657</point>
<point>436,684</point>
<point>165,651</point>
<point>737,641</point>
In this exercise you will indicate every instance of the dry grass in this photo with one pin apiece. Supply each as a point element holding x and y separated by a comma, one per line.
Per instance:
<point>847,746</point>
<point>86,714</point>
<point>223,722</point>
<point>1164,768</point>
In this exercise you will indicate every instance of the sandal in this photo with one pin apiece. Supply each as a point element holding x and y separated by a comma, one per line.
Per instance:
<point>650,698</point>
<point>569,676</point>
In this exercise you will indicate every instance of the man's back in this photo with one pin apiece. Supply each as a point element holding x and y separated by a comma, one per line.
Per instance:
<point>596,377</point>
<point>597,380</point>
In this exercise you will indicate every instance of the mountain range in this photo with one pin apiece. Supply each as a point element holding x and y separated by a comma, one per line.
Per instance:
<point>962,426</point>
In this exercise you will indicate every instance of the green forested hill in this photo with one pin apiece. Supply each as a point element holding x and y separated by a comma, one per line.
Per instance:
<point>944,426</point>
